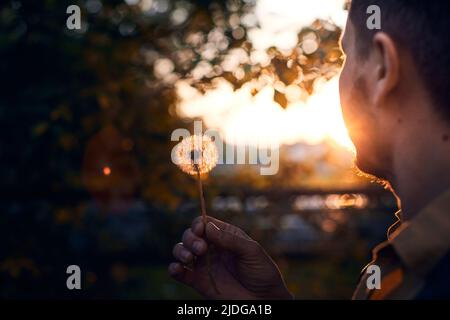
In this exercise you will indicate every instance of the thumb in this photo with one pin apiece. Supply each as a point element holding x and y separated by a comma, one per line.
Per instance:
<point>227,240</point>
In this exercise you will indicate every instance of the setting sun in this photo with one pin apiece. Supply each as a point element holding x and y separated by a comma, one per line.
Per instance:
<point>250,113</point>
<point>242,118</point>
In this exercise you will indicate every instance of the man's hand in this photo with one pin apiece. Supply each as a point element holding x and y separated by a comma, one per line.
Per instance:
<point>240,266</point>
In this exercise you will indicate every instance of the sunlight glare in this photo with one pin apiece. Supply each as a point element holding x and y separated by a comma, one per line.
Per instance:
<point>242,118</point>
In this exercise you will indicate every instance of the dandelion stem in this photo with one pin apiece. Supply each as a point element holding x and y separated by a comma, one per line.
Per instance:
<point>205,221</point>
<point>202,198</point>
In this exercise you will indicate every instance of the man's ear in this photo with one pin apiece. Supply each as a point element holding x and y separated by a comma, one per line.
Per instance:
<point>387,72</point>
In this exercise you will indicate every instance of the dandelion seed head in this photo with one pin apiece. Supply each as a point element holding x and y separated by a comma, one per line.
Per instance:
<point>196,153</point>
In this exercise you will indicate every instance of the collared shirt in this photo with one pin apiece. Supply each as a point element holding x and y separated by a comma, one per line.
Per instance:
<point>414,262</point>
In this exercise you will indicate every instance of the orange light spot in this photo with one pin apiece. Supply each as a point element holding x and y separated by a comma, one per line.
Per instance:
<point>106,171</point>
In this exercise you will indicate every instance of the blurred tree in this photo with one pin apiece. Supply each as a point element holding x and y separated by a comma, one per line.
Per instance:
<point>118,72</point>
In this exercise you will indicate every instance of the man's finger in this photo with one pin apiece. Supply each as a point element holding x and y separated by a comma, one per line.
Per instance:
<point>182,254</point>
<point>229,241</point>
<point>198,227</point>
<point>180,273</point>
<point>194,243</point>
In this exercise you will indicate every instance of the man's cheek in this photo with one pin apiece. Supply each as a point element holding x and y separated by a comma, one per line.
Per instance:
<point>352,112</point>
<point>342,81</point>
<point>345,82</point>
<point>345,98</point>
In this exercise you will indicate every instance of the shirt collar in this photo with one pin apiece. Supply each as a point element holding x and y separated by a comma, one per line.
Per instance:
<point>425,239</point>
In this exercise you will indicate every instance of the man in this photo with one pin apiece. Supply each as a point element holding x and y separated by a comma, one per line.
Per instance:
<point>395,97</point>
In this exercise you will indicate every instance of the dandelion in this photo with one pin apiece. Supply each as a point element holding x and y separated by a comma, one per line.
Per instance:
<point>197,155</point>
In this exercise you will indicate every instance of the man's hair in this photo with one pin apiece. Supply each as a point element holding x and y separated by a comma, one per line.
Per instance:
<point>420,26</point>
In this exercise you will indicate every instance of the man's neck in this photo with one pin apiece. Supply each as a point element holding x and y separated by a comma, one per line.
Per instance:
<point>421,169</point>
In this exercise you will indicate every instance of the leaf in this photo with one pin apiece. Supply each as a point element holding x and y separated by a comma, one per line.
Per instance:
<point>285,74</point>
<point>280,98</point>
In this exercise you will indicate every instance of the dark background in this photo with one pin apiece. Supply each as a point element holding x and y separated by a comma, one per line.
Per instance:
<point>74,103</point>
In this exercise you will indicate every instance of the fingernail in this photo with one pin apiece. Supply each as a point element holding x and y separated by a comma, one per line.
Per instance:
<point>197,246</point>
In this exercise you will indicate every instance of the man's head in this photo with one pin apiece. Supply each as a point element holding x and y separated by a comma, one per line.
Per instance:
<point>395,80</point>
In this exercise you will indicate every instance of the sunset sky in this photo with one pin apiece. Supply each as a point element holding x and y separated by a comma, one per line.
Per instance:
<point>242,118</point>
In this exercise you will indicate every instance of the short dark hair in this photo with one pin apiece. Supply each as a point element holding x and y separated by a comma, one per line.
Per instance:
<point>420,26</point>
